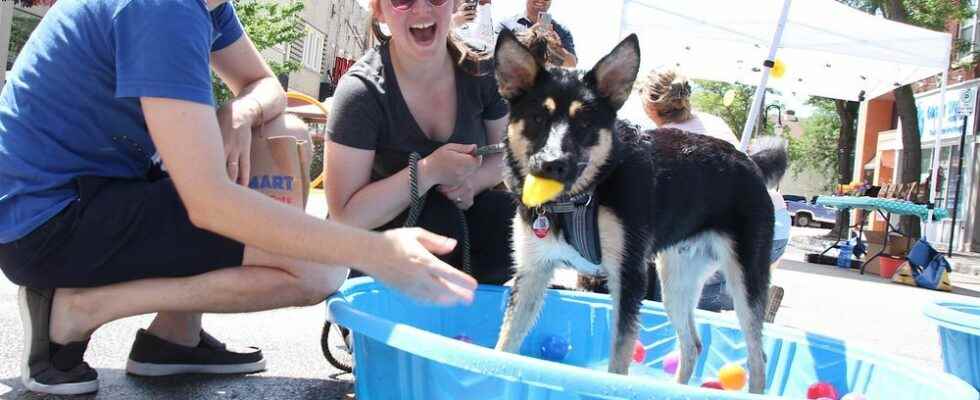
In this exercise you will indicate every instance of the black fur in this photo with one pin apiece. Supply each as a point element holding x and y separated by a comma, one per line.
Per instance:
<point>769,153</point>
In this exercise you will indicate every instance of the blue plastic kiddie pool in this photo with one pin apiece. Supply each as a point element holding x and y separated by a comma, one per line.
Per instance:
<point>404,350</point>
<point>959,334</point>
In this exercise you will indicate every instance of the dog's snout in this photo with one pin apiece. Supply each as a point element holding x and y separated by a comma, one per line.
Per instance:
<point>558,169</point>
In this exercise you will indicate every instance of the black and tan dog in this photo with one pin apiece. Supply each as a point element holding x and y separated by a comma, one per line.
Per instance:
<point>694,202</point>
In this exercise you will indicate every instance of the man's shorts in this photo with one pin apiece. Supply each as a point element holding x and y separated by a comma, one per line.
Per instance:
<point>118,230</point>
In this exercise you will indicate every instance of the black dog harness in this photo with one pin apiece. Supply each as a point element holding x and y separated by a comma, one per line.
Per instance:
<point>579,220</point>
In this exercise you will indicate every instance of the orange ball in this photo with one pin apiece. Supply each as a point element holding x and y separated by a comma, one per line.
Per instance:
<point>732,376</point>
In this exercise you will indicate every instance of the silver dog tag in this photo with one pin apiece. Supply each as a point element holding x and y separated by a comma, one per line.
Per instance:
<point>541,226</point>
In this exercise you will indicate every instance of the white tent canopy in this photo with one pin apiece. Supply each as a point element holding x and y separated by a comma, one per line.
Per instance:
<point>829,49</point>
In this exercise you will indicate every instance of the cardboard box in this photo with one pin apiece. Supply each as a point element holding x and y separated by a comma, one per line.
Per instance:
<point>898,245</point>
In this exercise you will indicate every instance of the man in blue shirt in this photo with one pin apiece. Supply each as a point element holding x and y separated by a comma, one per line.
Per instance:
<point>558,36</point>
<point>122,193</point>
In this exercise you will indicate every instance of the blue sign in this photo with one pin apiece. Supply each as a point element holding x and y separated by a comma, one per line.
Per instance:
<point>928,108</point>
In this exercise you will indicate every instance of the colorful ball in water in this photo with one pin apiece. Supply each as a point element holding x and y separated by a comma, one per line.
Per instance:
<point>555,348</point>
<point>732,376</point>
<point>639,352</point>
<point>713,385</point>
<point>853,396</point>
<point>821,389</point>
<point>463,338</point>
<point>670,363</point>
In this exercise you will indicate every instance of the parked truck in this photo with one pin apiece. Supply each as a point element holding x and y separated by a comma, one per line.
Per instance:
<point>806,213</point>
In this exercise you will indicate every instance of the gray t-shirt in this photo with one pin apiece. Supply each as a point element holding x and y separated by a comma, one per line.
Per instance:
<point>370,113</point>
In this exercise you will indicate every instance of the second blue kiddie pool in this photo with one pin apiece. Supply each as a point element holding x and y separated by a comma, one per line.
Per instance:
<point>959,336</point>
<point>404,350</point>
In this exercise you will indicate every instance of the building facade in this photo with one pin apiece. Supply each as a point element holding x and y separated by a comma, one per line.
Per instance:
<point>878,157</point>
<point>335,36</point>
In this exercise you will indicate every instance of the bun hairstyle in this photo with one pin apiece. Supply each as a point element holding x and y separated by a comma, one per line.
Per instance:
<point>669,93</point>
<point>471,61</point>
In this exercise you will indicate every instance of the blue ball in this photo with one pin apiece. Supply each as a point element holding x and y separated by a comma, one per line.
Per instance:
<point>555,348</point>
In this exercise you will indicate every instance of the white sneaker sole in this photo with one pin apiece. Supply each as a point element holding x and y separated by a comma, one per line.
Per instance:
<point>25,371</point>
<point>64,389</point>
<point>150,369</point>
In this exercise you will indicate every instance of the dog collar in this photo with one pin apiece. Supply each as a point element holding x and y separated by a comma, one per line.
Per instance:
<point>579,219</point>
<point>565,205</point>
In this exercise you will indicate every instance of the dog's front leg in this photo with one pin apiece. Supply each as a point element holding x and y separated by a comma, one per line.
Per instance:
<point>524,304</point>
<point>627,286</point>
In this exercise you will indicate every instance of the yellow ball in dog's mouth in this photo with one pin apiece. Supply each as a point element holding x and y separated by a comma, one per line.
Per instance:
<point>538,191</point>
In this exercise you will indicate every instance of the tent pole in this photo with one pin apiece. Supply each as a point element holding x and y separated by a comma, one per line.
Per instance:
<point>761,89</point>
<point>937,139</point>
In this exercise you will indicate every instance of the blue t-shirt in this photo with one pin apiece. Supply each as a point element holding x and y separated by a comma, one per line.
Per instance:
<point>71,104</point>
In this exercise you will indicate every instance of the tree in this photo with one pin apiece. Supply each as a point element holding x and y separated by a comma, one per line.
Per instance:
<point>709,97</point>
<point>828,144</point>
<point>268,24</point>
<point>930,14</point>
<point>20,30</point>
<point>816,149</point>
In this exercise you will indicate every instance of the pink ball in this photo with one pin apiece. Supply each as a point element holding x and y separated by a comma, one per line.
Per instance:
<point>670,363</point>
<point>820,390</point>
<point>713,385</point>
<point>639,352</point>
<point>853,396</point>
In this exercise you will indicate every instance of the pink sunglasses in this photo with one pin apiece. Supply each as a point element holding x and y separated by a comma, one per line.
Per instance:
<point>405,5</point>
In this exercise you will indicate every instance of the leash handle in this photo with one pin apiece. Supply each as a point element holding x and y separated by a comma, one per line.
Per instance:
<point>489,149</point>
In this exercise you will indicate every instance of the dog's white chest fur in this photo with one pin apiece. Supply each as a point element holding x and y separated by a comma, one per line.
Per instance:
<point>532,251</point>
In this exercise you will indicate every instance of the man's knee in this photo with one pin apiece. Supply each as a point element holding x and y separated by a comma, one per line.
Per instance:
<point>311,282</point>
<point>317,287</point>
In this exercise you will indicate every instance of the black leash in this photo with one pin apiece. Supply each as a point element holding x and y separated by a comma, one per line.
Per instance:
<point>418,199</point>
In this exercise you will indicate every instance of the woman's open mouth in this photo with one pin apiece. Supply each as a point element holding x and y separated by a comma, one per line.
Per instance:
<point>423,33</point>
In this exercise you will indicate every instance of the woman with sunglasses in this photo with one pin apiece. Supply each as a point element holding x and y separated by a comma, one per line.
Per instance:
<point>411,95</point>
<point>93,228</point>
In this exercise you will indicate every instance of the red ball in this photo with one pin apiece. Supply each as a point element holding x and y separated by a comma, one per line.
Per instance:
<point>713,385</point>
<point>820,390</point>
<point>639,352</point>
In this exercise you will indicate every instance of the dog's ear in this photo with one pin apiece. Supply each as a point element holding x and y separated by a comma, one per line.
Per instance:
<point>516,67</point>
<point>614,75</point>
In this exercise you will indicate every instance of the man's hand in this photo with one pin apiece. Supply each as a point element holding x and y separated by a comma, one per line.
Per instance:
<point>235,121</point>
<point>416,272</point>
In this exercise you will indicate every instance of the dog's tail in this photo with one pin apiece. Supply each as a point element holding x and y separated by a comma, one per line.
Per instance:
<point>770,154</point>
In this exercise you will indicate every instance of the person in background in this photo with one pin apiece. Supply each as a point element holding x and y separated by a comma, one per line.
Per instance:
<point>667,101</point>
<point>473,22</point>
<point>559,38</point>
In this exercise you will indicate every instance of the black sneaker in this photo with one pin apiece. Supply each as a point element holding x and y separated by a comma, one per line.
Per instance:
<point>152,356</point>
<point>48,367</point>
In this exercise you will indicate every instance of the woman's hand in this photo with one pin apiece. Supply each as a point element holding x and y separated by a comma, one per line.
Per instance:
<point>235,121</point>
<point>413,270</point>
<point>450,165</point>
<point>461,195</point>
